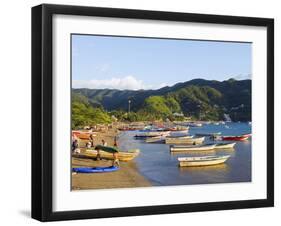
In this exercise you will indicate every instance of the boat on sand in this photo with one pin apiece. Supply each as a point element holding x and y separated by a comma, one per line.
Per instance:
<point>204,147</point>
<point>202,160</point>
<point>122,155</point>
<point>83,135</point>
<point>95,169</point>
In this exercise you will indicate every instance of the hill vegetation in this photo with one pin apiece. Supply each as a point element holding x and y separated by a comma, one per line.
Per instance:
<point>198,99</point>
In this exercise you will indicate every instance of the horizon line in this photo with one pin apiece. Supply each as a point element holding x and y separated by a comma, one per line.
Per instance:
<point>167,86</point>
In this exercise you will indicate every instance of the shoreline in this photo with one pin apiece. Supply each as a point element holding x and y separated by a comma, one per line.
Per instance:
<point>127,176</point>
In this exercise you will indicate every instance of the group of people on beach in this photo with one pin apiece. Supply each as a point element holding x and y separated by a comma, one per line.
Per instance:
<point>98,148</point>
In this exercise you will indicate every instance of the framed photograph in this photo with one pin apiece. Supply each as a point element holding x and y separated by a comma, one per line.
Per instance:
<point>145,112</point>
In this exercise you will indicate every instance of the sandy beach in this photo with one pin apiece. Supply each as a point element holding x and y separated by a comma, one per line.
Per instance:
<point>128,175</point>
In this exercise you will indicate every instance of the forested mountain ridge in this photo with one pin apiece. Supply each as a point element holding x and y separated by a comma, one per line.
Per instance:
<point>198,98</point>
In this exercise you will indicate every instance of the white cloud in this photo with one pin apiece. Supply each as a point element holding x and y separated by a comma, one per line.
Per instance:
<point>243,76</point>
<point>125,83</point>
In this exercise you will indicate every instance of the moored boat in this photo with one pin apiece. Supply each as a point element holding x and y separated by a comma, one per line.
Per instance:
<point>202,160</point>
<point>158,139</point>
<point>151,133</point>
<point>224,145</point>
<point>209,134</point>
<point>180,148</point>
<point>179,132</point>
<point>184,140</point>
<point>179,129</point>
<point>237,138</point>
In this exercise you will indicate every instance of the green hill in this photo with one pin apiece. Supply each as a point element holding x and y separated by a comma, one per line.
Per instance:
<point>198,98</point>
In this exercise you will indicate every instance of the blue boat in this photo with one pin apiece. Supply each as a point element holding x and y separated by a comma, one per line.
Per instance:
<point>95,169</point>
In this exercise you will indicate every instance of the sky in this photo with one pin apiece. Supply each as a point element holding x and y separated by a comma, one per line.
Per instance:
<point>100,62</point>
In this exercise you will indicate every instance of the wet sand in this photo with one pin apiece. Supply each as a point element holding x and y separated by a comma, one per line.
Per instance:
<point>126,177</point>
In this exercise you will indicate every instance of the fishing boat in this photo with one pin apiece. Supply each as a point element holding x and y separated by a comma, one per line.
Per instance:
<point>204,147</point>
<point>122,155</point>
<point>179,132</point>
<point>224,145</point>
<point>83,135</point>
<point>177,129</point>
<point>237,138</point>
<point>184,140</point>
<point>209,134</point>
<point>202,160</point>
<point>158,139</point>
<point>151,133</point>
<point>105,169</point>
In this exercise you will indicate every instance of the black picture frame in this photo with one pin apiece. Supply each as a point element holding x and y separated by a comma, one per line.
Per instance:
<point>42,196</point>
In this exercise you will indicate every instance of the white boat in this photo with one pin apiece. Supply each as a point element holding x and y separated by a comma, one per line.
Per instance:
<point>147,133</point>
<point>179,148</point>
<point>180,136</point>
<point>203,160</point>
<point>184,140</point>
<point>161,139</point>
<point>158,139</point>
<point>178,132</point>
<point>225,145</point>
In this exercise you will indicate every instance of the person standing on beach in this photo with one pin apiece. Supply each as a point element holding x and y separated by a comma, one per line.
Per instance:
<point>115,154</point>
<point>115,142</point>
<point>97,148</point>
<point>115,159</point>
<point>91,139</point>
<point>112,150</point>
<point>75,145</point>
<point>104,143</point>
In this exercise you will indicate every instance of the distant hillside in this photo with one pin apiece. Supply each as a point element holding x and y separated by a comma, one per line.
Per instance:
<point>198,98</point>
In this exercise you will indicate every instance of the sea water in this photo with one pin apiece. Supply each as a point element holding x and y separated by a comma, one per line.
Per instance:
<point>158,165</point>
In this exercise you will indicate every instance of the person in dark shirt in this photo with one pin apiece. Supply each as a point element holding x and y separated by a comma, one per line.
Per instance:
<point>91,139</point>
<point>75,145</point>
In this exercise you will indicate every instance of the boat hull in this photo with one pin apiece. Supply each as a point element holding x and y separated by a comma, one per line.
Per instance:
<point>95,169</point>
<point>180,148</point>
<point>225,146</point>
<point>204,162</point>
<point>235,138</point>
<point>122,156</point>
<point>158,139</point>
<point>152,134</point>
<point>181,140</point>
